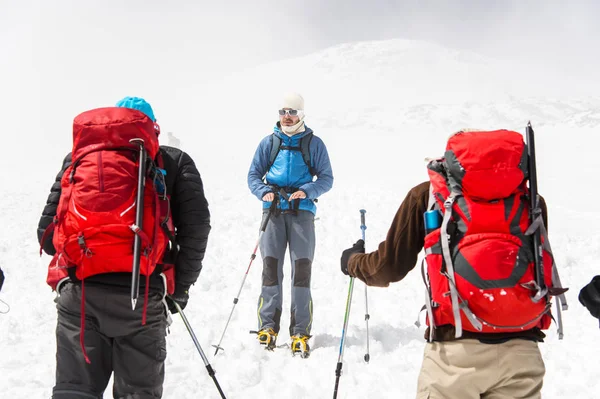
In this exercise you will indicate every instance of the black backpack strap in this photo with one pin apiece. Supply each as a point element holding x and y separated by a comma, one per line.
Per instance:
<point>157,173</point>
<point>165,212</point>
<point>305,149</point>
<point>275,147</point>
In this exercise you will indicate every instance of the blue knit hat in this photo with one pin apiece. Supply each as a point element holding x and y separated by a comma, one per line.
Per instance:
<point>137,103</point>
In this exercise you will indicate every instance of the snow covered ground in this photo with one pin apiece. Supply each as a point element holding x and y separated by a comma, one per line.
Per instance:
<point>381,108</point>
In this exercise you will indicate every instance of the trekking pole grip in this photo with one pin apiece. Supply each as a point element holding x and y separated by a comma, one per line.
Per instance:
<point>263,225</point>
<point>272,209</point>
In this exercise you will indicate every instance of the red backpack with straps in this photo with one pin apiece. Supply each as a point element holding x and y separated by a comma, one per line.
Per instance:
<point>480,263</point>
<point>95,220</point>
<point>95,223</point>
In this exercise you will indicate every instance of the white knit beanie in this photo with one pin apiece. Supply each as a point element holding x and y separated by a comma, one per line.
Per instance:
<point>293,101</point>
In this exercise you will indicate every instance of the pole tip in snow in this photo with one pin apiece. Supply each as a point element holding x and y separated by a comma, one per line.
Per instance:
<point>367,358</point>
<point>217,349</point>
<point>363,211</point>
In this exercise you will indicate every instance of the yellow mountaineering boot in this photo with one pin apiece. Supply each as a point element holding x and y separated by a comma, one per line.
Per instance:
<point>267,337</point>
<point>300,345</point>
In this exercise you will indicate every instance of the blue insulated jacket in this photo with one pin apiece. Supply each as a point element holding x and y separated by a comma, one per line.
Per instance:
<point>290,170</point>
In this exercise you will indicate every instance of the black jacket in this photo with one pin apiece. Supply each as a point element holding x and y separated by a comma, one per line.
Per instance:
<point>189,210</point>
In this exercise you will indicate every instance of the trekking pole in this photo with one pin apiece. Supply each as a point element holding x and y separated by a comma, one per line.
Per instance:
<point>139,219</point>
<point>338,369</point>
<point>263,227</point>
<point>363,227</point>
<point>209,368</point>
<point>535,212</point>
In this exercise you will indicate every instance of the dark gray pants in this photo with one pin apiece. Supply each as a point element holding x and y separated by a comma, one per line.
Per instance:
<point>115,341</point>
<point>299,232</point>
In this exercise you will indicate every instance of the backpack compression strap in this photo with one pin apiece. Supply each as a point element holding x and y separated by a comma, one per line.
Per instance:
<point>557,289</point>
<point>457,303</point>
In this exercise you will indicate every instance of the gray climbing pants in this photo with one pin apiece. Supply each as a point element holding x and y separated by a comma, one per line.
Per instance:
<point>115,341</point>
<point>297,230</point>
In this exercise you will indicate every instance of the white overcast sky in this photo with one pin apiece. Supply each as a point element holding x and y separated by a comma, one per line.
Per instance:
<point>80,53</point>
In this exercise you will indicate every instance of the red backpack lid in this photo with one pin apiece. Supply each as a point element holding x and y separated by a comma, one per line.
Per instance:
<point>112,127</point>
<point>486,164</point>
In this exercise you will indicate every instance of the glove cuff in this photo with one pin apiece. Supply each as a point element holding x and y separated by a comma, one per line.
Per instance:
<point>181,288</point>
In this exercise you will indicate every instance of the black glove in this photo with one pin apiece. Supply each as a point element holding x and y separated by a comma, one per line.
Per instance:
<point>589,296</point>
<point>357,248</point>
<point>1,279</point>
<point>180,296</point>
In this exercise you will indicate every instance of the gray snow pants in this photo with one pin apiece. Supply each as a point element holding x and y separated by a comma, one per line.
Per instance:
<point>115,341</point>
<point>297,230</point>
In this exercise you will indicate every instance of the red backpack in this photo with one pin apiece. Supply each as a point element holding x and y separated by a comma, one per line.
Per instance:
<point>480,262</point>
<point>94,224</point>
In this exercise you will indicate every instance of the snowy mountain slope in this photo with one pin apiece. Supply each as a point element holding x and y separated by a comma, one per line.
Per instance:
<point>381,108</point>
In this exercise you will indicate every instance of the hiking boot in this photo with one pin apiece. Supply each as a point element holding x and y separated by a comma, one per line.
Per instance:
<point>300,345</point>
<point>267,337</point>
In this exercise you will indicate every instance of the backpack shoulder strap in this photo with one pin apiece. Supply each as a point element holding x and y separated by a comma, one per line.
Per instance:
<point>166,161</point>
<point>305,149</point>
<point>275,147</point>
<point>164,211</point>
<point>431,201</point>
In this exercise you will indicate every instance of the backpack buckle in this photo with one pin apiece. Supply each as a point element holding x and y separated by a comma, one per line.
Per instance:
<point>84,249</point>
<point>449,202</point>
<point>539,291</point>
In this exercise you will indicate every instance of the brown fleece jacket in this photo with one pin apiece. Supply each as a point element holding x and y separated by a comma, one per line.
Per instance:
<point>397,255</point>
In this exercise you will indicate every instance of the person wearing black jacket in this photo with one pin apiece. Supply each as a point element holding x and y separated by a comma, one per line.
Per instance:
<point>115,339</point>
<point>589,296</point>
